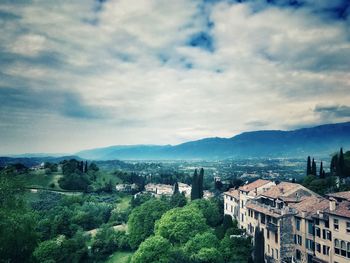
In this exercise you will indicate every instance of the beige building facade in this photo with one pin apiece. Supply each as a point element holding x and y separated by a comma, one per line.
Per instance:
<point>298,224</point>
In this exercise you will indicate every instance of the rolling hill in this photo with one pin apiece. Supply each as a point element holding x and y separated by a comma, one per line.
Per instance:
<point>316,141</point>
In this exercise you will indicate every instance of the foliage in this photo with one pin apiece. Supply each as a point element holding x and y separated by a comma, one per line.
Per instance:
<point>259,245</point>
<point>178,225</point>
<point>107,241</point>
<point>153,249</point>
<point>210,211</point>
<point>195,186</point>
<point>62,249</point>
<point>140,199</point>
<point>207,255</point>
<point>17,224</point>
<point>235,250</point>
<point>199,241</point>
<point>178,200</point>
<point>142,218</point>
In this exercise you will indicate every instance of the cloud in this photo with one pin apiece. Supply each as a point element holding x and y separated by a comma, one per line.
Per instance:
<point>108,72</point>
<point>334,111</point>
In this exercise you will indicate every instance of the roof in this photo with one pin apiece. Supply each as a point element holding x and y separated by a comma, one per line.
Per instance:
<point>341,195</point>
<point>256,184</point>
<point>263,209</point>
<point>233,192</point>
<point>342,209</point>
<point>288,192</point>
<point>310,205</point>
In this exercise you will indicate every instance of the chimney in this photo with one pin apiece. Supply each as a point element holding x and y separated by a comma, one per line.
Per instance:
<point>332,204</point>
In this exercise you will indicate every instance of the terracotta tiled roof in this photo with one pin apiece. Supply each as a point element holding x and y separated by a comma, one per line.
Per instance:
<point>286,189</point>
<point>264,209</point>
<point>341,195</point>
<point>233,192</point>
<point>342,209</point>
<point>310,205</point>
<point>253,185</point>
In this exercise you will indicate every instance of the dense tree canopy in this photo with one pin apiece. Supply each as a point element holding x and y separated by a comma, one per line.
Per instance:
<point>178,225</point>
<point>154,249</point>
<point>142,219</point>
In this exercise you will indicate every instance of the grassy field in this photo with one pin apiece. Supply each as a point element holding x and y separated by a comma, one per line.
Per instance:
<point>120,257</point>
<point>40,179</point>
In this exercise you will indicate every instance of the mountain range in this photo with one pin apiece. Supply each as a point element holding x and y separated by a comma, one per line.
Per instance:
<point>316,141</point>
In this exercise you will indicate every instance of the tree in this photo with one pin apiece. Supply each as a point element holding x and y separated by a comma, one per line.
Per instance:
<point>178,225</point>
<point>227,223</point>
<point>86,167</point>
<point>313,168</point>
<point>208,255</point>
<point>341,163</point>
<point>210,211</point>
<point>176,189</point>
<point>142,218</point>
<point>259,246</point>
<point>153,249</point>
<point>18,237</point>
<point>308,169</point>
<point>235,250</point>
<point>199,241</point>
<point>321,171</point>
<point>195,186</point>
<point>200,183</point>
<point>178,200</point>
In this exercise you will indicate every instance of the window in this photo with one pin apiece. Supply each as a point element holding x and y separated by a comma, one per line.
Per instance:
<point>317,221</point>
<point>299,240</point>
<point>276,237</point>
<point>297,223</point>
<point>231,208</point>
<point>256,215</point>
<point>326,224</point>
<point>276,253</point>
<point>298,254</point>
<point>310,244</point>
<point>268,249</point>
<point>325,250</point>
<point>348,250</point>
<point>348,227</point>
<point>318,247</point>
<point>343,248</point>
<point>268,234</point>
<point>226,207</point>
<point>336,246</point>
<point>272,250</point>
<point>336,224</point>
<point>242,216</point>
<point>262,219</point>
<point>311,229</point>
<point>318,231</point>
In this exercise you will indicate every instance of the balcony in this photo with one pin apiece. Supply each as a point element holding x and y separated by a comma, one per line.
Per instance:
<point>272,227</point>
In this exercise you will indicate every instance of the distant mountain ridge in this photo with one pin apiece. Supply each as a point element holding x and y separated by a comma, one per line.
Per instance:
<point>316,141</point>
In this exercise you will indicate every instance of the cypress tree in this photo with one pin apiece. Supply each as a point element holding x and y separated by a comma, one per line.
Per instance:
<point>321,170</point>
<point>308,169</point>
<point>334,165</point>
<point>200,183</point>
<point>323,174</point>
<point>194,190</point>
<point>86,167</point>
<point>176,189</point>
<point>313,169</point>
<point>341,163</point>
<point>259,246</point>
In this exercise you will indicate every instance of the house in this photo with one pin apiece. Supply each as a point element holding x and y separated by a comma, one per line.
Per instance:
<point>298,224</point>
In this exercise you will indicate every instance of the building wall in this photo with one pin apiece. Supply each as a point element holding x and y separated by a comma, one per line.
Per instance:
<point>342,236</point>
<point>231,206</point>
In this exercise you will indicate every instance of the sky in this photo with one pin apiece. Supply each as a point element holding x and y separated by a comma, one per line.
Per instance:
<point>82,74</point>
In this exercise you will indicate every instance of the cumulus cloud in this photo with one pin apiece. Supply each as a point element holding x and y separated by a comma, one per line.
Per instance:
<point>80,74</point>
